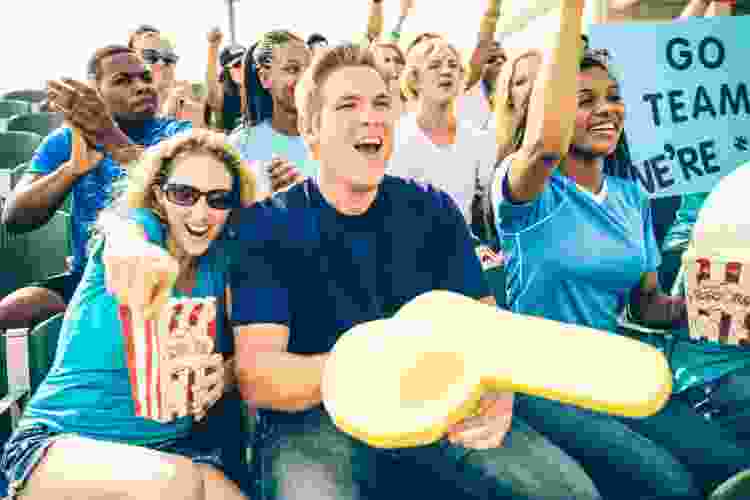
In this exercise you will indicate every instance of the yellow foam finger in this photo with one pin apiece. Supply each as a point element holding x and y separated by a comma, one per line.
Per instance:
<point>405,381</point>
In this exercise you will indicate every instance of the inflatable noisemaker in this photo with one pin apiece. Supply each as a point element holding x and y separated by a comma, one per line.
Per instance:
<point>164,355</point>
<point>403,381</point>
<point>716,265</point>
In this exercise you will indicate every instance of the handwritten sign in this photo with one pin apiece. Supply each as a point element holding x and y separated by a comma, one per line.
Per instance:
<point>686,86</point>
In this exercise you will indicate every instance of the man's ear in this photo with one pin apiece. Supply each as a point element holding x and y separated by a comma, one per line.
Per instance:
<point>157,192</point>
<point>310,130</point>
<point>264,77</point>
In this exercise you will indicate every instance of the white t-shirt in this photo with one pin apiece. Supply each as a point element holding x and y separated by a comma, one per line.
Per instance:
<point>454,168</point>
<point>258,144</point>
<point>475,108</point>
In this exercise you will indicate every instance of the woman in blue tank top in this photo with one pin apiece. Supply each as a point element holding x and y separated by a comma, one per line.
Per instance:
<point>80,435</point>
<point>578,238</point>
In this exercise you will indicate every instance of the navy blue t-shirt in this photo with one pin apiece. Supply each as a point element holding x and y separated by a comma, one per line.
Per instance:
<point>300,263</point>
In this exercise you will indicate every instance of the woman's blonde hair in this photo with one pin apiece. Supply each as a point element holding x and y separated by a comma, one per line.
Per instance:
<point>415,58</point>
<point>510,117</point>
<point>156,165</point>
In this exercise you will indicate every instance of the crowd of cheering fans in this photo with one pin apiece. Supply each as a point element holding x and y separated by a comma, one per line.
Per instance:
<point>309,187</point>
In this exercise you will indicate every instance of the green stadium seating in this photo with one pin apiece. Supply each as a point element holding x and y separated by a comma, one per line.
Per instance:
<point>40,123</point>
<point>48,247</point>
<point>36,255</point>
<point>15,382</point>
<point>30,96</point>
<point>25,359</point>
<point>17,173</point>
<point>17,148</point>
<point>9,109</point>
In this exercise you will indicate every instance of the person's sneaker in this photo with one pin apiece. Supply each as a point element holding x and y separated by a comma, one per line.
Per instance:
<point>736,487</point>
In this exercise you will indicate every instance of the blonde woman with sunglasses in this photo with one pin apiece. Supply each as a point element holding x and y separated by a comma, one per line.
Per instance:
<point>80,436</point>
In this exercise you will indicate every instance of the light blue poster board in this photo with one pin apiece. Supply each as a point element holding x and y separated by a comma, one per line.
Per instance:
<point>686,87</point>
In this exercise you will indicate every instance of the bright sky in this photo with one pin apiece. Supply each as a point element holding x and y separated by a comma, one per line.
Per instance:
<point>69,31</point>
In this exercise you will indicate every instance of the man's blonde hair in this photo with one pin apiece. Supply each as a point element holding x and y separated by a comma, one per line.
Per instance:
<point>308,95</point>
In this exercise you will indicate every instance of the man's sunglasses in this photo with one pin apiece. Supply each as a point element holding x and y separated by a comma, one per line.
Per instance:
<point>187,196</point>
<point>153,56</point>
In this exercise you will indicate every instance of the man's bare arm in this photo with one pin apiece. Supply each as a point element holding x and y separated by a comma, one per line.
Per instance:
<point>270,377</point>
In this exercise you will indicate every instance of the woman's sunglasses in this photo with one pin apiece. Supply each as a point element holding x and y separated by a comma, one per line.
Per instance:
<point>153,56</point>
<point>187,196</point>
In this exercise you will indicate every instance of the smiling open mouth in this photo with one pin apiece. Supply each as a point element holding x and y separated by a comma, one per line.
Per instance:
<point>197,231</point>
<point>369,146</point>
<point>608,127</point>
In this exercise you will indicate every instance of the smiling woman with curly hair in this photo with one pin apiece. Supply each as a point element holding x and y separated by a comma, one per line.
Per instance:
<point>80,435</point>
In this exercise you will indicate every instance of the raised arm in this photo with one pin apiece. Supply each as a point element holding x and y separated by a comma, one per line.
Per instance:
<point>551,109</point>
<point>215,92</point>
<point>406,6</point>
<point>38,195</point>
<point>623,5</point>
<point>721,8</point>
<point>375,20</point>
<point>487,27</point>
<point>84,109</point>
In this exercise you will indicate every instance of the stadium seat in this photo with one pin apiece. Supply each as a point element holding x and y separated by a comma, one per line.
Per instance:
<point>48,247</point>
<point>9,109</point>
<point>25,359</point>
<point>17,173</point>
<point>33,97</point>
<point>41,123</point>
<point>15,382</point>
<point>17,148</point>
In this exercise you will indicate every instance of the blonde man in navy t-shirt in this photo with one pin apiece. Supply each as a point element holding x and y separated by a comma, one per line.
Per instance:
<point>350,247</point>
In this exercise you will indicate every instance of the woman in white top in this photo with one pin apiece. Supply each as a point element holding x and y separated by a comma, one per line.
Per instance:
<point>430,144</point>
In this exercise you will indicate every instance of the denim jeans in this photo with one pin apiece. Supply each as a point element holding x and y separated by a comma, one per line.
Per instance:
<point>676,453</point>
<point>727,404</point>
<point>304,456</point>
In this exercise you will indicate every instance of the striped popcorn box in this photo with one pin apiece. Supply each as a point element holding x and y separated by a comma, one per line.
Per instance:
<point>164,355</point>
<point>718,300</point>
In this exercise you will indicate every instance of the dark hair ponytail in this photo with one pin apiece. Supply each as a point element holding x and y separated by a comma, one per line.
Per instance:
<point>258,100</point>
<point>618,164</point>
<point>259,103</point>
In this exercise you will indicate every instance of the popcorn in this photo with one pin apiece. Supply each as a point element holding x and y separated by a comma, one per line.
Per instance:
<point>718,300</point>
<point>166,356</point>
<point>716,264</point>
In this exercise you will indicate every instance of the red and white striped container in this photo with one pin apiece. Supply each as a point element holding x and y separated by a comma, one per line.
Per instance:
<point>718,299</point>
<point>163,355</point>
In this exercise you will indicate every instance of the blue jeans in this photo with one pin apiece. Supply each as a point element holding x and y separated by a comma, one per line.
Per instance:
<point>675,454</point>
<point>304,455</point>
